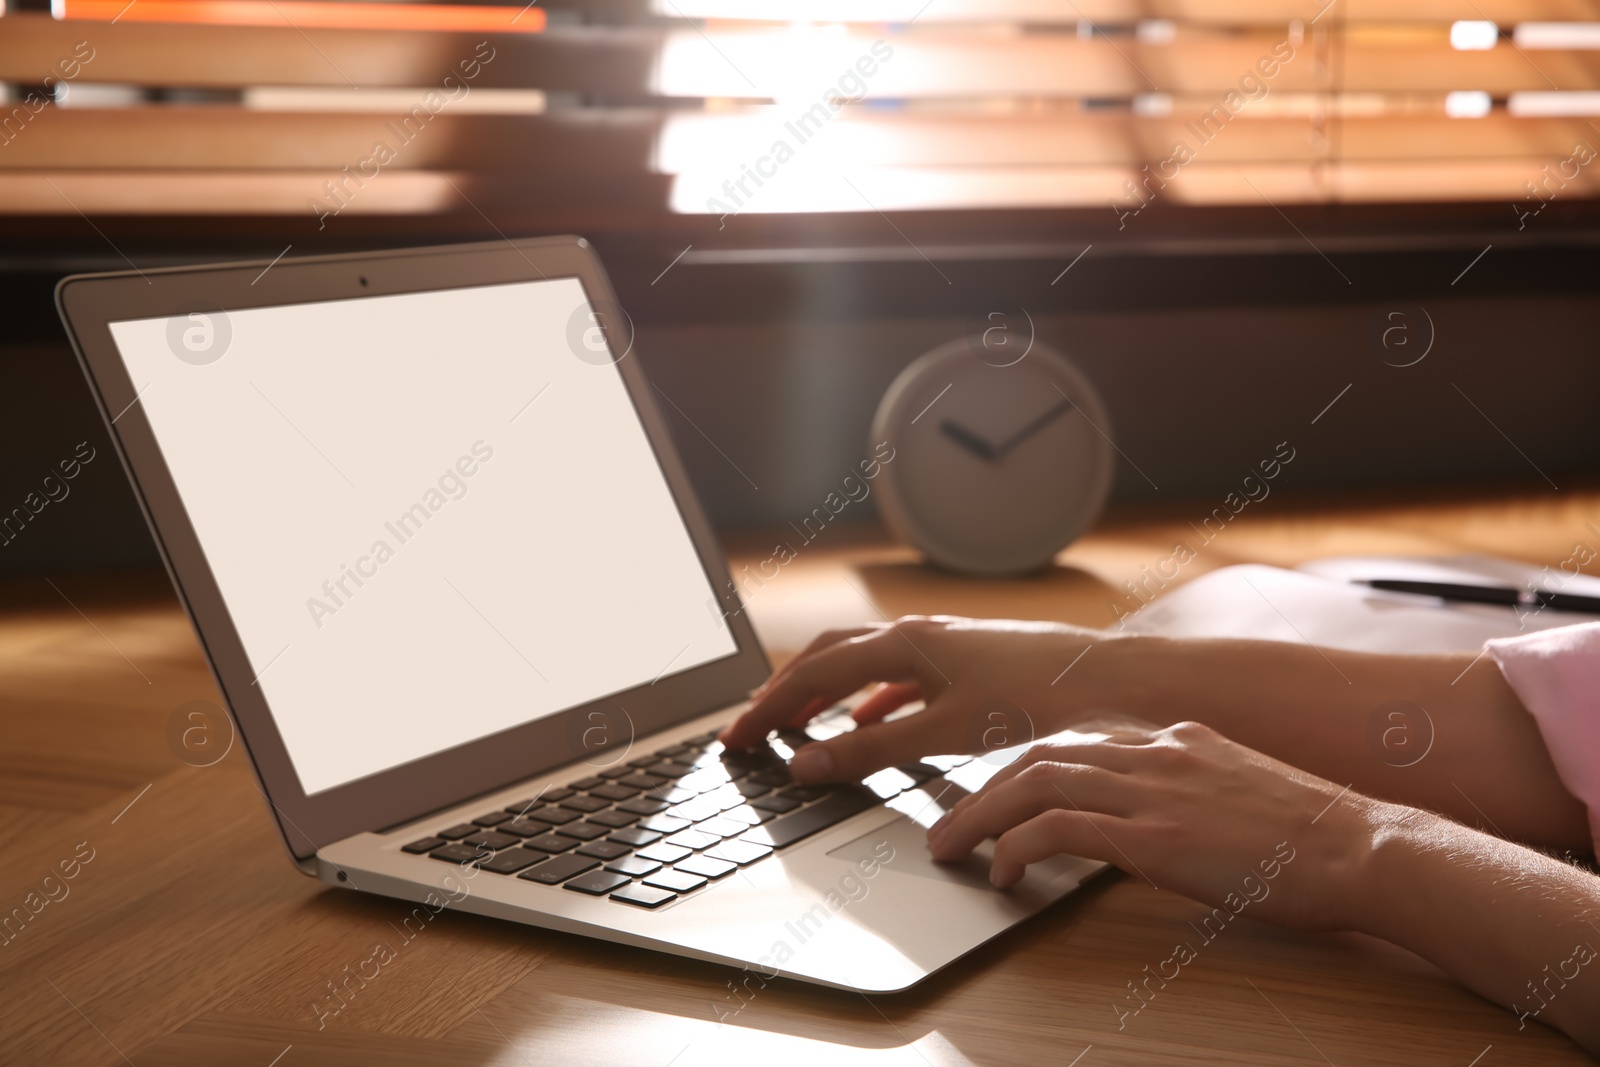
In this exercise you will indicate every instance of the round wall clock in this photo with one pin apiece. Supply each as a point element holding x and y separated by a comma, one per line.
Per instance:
<point>996,468</point>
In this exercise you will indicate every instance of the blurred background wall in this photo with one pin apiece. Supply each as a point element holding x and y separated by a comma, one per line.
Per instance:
<point>946,162</point>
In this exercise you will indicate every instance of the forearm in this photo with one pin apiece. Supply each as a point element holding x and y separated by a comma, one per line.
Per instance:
<point>1421,730</point>
<point>1514,925</point>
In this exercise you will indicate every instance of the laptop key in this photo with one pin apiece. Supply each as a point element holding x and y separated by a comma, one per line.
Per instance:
<point>724,798</point>
<point>523,827</point>
<point>586,783</point>
<point>664,853</point>
<point>427,844</point>
<point>704,780</point>
<point>491,839</point>
<point>889,782</point>
<point>605,850</point>
<point>585,803</point>
<point>633,866</point>
<point>693,839</point>
<point>460,830</point>
<point>643,806</point>
<point>634,837</point>
<point>664,824</point>
<point>673,751</point>
<point>640,780</point>
<point>551,842</point>
<point>613,791</point>
<point>707,867</point>
<point>614,819</point>
<point>751,788</point>
<point>583,831</point>
<point>743,853</point>
<point>639,762</point>
<point>553,815</point>
<point>677,881</point>
<point>643,895</point>
<point>806,793</point>
<point>776,777</point>
<point>801,824</point>
<point>669,769</point>
<point>669,794</point>
<point>460,854</point>
<point>695,810</point>
<point>616,772</point>
<point>558,869</point>
<point>721,827</point>
<point>776,803</point>
<point>493,818</point>
<point>551,795</point>
<point>597,883</point>
<point>513,860</point>
<point>920,772</point>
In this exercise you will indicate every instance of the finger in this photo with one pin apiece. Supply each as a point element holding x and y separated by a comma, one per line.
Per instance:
<point>1123,756</point>
<point>829,674</point>
<point>809,712</point>
<point>1040,788</point>
<point>889,699</point>
<point>1052,833</point>
<point>1089,749</point>
<point>860,752</point>
<point>818,643</point>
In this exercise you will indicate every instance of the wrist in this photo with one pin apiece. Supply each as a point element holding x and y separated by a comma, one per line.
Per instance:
<point>1373,882</point>
<point>1134,674</point>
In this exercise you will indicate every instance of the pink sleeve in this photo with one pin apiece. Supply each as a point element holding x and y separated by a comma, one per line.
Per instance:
<point>1556,673</point>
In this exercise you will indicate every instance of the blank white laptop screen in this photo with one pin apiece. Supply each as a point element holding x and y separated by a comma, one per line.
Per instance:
<point>429,518</point>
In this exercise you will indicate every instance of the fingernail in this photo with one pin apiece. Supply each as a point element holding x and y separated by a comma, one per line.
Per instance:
<point>811,763</point>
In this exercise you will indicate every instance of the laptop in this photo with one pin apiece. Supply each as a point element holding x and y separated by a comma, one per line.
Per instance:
<point>474,630</point>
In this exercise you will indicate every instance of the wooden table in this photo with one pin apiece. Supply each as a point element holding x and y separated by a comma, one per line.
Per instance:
<point>189,938</point>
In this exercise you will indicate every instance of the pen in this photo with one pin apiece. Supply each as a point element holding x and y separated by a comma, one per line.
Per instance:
<point>1490,594</point>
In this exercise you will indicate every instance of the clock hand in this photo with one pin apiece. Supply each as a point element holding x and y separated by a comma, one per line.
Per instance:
<point>1033,427</point>
<point>968,440</point>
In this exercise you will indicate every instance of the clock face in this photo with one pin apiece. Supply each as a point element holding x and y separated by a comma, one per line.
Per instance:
<point>996,469</point>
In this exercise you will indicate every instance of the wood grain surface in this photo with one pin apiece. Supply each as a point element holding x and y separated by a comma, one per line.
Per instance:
<point>189,938</point>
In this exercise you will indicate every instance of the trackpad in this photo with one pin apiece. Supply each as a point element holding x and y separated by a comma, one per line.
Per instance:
<point>910,844</point>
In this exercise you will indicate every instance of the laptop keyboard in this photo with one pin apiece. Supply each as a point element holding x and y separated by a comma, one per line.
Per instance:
<point>666,824</point>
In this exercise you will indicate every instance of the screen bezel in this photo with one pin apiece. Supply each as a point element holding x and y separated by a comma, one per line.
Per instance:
<point>89,303</point>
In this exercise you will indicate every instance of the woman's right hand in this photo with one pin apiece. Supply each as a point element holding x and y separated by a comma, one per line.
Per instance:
<point>986,684</point>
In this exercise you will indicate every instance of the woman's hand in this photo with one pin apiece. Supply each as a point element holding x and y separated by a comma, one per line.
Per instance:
<point>986,684</point>
<point>1183,807</point>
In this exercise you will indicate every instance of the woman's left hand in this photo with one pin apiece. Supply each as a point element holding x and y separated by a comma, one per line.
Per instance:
<point>1184,808</point>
